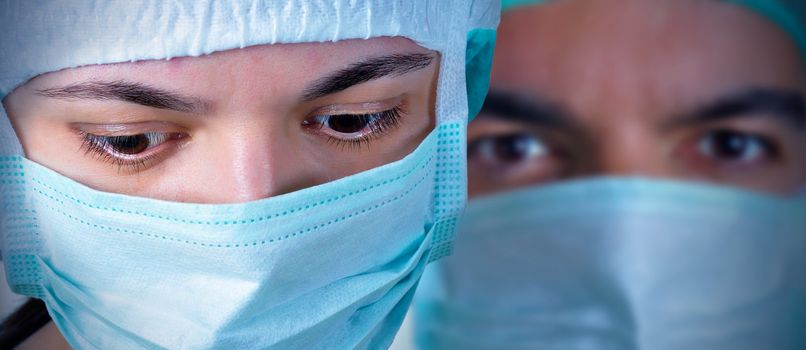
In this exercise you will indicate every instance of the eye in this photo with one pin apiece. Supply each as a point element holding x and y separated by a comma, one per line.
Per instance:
<point>128,145</point>
<point>134,144</point>
<point>348,124</point>
<point>508,160</point>
<point>128,150</point>
<point>736,147</point>
<point>355,129</point>
<point>506,149</point>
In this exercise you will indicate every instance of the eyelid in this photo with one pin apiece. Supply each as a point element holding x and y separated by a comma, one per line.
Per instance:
<point>122,129</point>
<point>358,108</point>
<point>481,145</point>
<point>767,143</point>
<point>384,122</point>
<point>134,163</point>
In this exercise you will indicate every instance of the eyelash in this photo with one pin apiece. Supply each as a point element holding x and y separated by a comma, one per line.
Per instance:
<point>379,124</point>
<point>95,145</point>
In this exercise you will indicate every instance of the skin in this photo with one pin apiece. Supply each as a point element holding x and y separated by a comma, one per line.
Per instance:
<point>249,138</point>
<point>627,84</point>
<point>254,134</point>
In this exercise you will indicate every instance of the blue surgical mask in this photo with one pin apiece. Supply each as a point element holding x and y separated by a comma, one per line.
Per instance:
<point>621,264</point>
<point>332,266</point>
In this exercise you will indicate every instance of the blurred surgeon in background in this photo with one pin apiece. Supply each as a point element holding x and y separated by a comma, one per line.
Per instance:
<point>653,159</point>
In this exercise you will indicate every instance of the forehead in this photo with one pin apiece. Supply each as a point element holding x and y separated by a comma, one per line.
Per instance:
<point>659,51</point>
<point>279,63</point>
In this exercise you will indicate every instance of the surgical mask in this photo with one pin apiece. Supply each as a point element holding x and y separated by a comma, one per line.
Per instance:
<point>621,264</point>
<point>285,271</point>
<point>332,266</point>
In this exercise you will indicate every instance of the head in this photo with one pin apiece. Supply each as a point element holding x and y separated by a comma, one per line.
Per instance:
<point>232,126</point>
<point>695,90</point>
<point>233,143</point>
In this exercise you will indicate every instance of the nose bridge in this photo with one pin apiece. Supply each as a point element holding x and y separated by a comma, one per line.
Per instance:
<point>630,148</point>
<point>254,162</point>
<point>621,113</point>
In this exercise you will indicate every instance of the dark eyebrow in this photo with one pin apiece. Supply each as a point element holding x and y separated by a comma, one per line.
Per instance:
<point>364,71</point>
<point>786,106</point>
<point>510,106</point>
<point>127,92</point>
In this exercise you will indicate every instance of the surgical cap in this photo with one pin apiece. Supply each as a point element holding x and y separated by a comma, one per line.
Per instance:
<point>42,36</point>
<point>790,15</point>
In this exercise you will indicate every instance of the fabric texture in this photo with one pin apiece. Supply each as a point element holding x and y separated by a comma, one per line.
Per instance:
<point>479,58</point>
<point>286,272</point>
<point>507,5</point>
<point>621,264</point>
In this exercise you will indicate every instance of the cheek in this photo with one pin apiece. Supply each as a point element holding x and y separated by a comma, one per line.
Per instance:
<point>420,121</point>
<point>51,144</point>
<point>483,180</point>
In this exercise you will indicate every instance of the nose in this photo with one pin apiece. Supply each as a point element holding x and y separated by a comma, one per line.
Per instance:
<point>630,150</point>
<point>255,163</point>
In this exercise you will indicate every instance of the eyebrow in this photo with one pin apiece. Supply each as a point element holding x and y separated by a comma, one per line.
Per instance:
<point>367,70</point>
<point>783,105</point>
<point>509,106</point>
<point>138,93</point>
<point>126,91</point>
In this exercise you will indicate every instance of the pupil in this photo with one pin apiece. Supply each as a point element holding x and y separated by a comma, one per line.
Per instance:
<point>513,147</point>
<point>730,145</point>
<point>133,144</point>
<point>347,124</point>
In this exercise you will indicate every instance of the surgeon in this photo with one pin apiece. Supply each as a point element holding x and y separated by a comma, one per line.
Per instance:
<point>638,181</point>
<point>230,174</point>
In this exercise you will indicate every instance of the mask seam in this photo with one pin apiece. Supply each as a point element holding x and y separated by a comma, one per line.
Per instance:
<point>423,164</point>
<point>252,243</point>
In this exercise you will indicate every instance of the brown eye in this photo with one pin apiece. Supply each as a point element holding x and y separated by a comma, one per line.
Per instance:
<point>505,149</point>
<point>354,127</point>
<point>129,145</point>
<point>731,146</point>
<point>499,161</point>
<point>348,124</point>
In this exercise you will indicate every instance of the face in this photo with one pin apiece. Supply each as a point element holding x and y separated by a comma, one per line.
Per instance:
<point>232,126</point>
<point>696,90</point>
